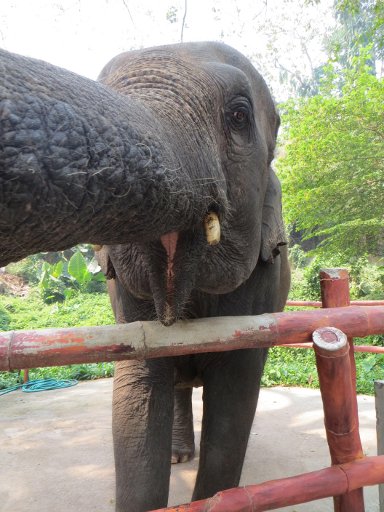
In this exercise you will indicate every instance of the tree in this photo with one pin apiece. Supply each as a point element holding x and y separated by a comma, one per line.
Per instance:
<point>360,23</point>
<point>332,169</point>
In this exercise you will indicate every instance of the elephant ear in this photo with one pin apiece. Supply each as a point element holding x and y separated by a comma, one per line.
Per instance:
<point>105,262</point>
<point>272,229</point>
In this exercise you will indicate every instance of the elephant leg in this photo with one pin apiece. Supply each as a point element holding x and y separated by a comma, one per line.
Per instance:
<point>142,419</point>
<point>231,390</point>
<point>183,438</point>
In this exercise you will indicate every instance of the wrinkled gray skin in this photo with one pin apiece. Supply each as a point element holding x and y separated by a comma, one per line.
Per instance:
<point>190,130</point>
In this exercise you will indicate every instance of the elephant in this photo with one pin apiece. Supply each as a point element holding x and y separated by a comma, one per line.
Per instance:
<point>165,164</point>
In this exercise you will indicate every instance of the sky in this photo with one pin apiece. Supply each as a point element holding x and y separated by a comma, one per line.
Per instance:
<point>82,35</point>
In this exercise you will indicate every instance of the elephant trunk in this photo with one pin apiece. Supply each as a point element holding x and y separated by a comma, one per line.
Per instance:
<point>81,163</point>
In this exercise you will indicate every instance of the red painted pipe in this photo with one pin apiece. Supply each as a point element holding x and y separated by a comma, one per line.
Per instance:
<point>340,407</point>
<point>140,340</point>
<point>356,348</point>
<point>337,378</point>
<point>304,303</point>
<point>318,303</point>
<point>335,480</point>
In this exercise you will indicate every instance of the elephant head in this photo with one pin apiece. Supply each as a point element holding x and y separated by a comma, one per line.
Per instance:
<point>170,139</point>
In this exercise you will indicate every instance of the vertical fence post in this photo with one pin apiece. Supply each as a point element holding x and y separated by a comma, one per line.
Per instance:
<point>335,293</point>
<point>334,284</point>
<point>379,400</point>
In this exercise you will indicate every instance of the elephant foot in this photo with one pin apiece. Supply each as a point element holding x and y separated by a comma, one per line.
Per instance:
<point>183,438</point>
<point>182,453</point>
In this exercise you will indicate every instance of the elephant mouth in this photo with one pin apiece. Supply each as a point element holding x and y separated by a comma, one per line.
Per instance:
<point>182,259</point>
<point>169,242</point>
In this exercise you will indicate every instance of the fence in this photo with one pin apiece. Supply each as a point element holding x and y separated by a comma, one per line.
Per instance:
<point>331,329</point>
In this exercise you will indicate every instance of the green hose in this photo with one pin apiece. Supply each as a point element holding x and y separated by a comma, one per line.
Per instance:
<point>33,386</point>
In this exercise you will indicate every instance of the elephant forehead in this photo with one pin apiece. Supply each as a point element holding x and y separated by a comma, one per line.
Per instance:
<point>170,77</point>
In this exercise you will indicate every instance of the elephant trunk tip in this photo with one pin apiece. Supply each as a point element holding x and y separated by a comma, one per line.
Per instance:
<point>169,317</point>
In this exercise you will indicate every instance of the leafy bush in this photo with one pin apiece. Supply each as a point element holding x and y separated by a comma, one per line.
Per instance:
<point>290,367</point>
<point>76,371</point>
<point>28,269</point>
<point>32,312</point>
<point>297,367</point>
<point>367,279</point>
<point>61,274</point>
<point>59,280</point>
<point>298,257</point>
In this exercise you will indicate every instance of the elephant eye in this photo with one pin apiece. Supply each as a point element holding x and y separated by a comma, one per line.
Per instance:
<point>239,115</point>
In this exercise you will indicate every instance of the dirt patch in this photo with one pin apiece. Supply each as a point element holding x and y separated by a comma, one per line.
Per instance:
<point>12,285</point>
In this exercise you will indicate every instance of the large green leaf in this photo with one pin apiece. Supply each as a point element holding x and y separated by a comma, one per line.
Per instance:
<point>77,268</point>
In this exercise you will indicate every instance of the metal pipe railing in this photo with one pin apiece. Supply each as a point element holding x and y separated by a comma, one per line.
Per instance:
<point>331,481</point>
<point>370,349</point>
<point>319,304</point>
<point>138,340</point>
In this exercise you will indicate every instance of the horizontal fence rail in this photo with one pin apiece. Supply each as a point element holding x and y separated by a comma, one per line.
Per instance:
<point>372,349</point>
<point>319,304</point>
<point>332,481</point>
<point>143,340</point>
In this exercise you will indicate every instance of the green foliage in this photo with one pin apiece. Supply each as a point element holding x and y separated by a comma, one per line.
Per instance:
<point>60,280</point>
<point>297,367</point>
<point>5,319</point>
<point>298,257</point>
<point>332,170</point>
<point>89,371</point>
<point>360,22</point>
<point>53,289</point>
<point>366,278</point>
<point>75,371</point>
<point>290,367</point>
<point>32,312</point>
<point>61,274</point>
<point>311,280</point>
<point>28,269</point>
<point>82,271</point>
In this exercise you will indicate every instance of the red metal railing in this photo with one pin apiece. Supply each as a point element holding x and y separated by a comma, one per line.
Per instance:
<point>350,470</point>
<point>319,304</point>
<point>49,347</point>
<point>325,483</point>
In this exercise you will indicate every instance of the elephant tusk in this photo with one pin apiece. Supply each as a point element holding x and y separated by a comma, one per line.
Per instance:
<point>212,228</point>
<point>97,248</point>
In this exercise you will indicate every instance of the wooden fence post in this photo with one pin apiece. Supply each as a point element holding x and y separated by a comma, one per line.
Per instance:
<point>379,400</point>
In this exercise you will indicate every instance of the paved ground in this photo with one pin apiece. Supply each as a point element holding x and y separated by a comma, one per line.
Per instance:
<point>56,447</point>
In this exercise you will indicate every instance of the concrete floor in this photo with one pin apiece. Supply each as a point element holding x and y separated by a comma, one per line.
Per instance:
<point>56,447</point>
